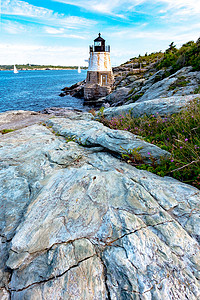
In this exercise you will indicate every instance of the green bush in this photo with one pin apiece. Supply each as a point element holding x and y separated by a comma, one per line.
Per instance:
<point>187,55</point>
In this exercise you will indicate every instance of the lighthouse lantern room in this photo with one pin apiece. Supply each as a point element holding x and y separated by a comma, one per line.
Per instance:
<point>99,79</point>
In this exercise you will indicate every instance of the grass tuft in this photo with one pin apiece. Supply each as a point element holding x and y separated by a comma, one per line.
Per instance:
<point>4,131</point>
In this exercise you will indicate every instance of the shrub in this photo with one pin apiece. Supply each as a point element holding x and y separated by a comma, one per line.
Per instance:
<point>187,55</point>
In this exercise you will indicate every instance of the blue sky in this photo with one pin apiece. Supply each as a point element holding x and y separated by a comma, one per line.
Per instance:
<point>58,32</point>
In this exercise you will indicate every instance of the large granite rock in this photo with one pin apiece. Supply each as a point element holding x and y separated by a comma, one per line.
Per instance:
<point>183,82</point>
<point>133,88</point>
<point>93,133</point>
<point>116,97</point>
<point>78,223</point>
<point>161,106</point>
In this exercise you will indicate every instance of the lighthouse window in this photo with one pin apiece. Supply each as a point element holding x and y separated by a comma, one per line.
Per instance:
<point>97,43</point>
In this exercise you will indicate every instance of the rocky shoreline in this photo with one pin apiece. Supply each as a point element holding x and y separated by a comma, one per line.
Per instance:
<point>139,85</point>
<point>78,222</point>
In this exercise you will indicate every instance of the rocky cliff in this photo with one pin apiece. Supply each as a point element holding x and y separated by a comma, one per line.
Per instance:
<point>175,72</point>
<point>143,85</point>
<point>78,222</point>
<point>147,86</point>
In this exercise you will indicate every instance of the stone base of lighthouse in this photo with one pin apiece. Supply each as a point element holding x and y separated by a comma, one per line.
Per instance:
<point>98,84</point>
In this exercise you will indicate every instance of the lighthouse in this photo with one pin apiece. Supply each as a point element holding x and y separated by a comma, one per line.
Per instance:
<point>99,79</point>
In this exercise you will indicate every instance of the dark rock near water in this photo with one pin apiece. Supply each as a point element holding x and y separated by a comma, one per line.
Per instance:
<point>76,90</point>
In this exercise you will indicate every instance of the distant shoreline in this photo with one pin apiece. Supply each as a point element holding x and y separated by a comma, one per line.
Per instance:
<point>38,67</point>
<point>42,69</point>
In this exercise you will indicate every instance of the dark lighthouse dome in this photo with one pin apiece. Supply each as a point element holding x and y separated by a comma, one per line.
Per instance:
<point>99,44</point>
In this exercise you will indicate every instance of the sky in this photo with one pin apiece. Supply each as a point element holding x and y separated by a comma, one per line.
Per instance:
<point>59,32</point>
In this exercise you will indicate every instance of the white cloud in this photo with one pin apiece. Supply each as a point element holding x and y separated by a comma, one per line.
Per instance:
<point>43,15</point>
<point>36,54</point>
<point>178,34</point>
<point>52,30</point>
<point>178,11</point>
<point>182,6</point>
<point>119,8</point>
<point>112,7</point>
<point>13,27</point>
<point>22,8</point>
<point>61,32</point>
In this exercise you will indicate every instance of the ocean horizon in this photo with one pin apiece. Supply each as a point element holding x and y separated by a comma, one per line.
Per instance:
<point>38,89</point>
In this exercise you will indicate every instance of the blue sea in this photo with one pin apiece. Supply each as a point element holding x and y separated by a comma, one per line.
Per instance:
<point>38,89</point>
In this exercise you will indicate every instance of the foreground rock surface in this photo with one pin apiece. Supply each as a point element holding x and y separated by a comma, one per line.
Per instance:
<point>20,118</point>
<point>78,223</point>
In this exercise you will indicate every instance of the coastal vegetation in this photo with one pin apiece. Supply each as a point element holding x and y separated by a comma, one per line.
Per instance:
<point>187,55</point>
<point>173,58</point>
<point>178,134</point>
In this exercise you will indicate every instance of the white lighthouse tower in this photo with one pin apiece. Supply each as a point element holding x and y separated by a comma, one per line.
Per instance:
<point>99,79</point>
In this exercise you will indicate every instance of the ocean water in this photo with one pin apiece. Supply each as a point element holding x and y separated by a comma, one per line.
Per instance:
<point>36,90</point>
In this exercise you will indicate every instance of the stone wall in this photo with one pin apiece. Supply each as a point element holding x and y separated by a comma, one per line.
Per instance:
<point>95,91</point>
<point>95,88</point>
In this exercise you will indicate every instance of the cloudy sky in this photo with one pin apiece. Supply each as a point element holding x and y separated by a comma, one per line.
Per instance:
<point>58,32</point>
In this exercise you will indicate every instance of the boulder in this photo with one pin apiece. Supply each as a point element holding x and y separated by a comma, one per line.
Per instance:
<point>117,97</point>
<point>161,106</point>
<point>92,133</point>
<point>78,223</point>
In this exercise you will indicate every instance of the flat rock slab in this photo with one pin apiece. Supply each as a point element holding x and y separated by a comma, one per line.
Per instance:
<point>67,113</point>
<point>78,223</point>
<point>162,106</point>
<point>19,119</point>
<point>93,133</point>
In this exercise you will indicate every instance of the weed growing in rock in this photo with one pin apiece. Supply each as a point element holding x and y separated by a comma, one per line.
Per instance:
<point>179,134</point>
<point>4,131</point>
<point>93,112</point>
<point>197,90</point>
<point>180,82</point>
<point>101,110</point>
<point>133,156</point>
<point>70,138</point>
<point>134,98</point>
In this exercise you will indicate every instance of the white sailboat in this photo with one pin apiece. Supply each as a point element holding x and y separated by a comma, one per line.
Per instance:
<point>79,69</point>
<point>15,70</point>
